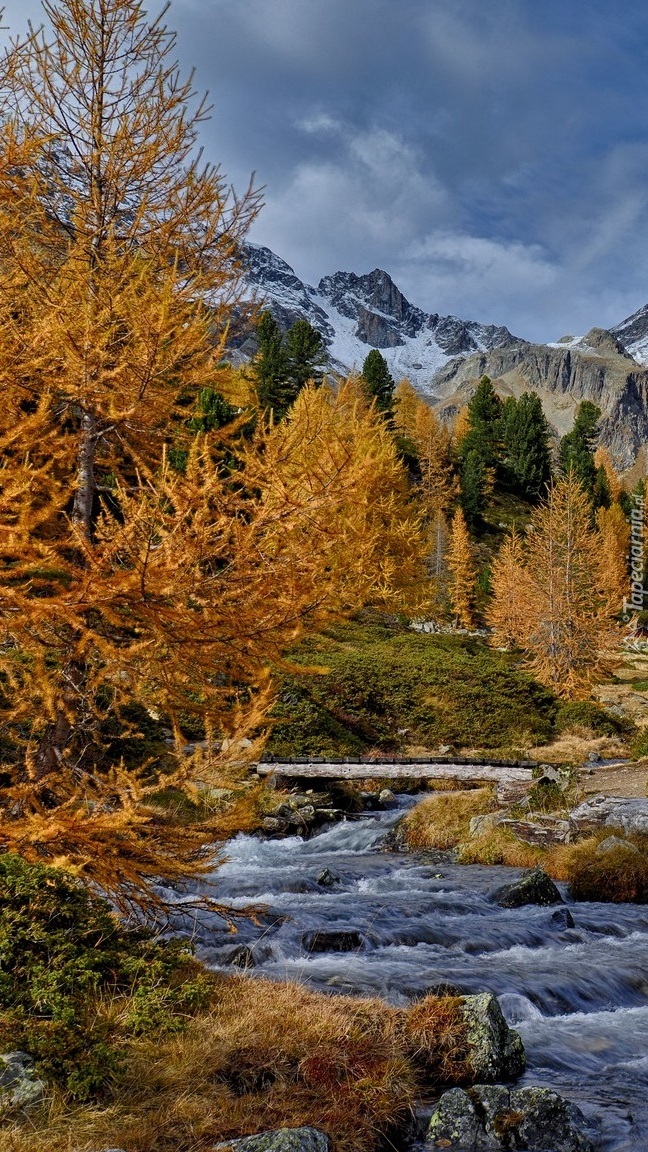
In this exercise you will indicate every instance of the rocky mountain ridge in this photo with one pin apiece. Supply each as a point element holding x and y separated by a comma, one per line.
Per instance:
<point>444,356</point>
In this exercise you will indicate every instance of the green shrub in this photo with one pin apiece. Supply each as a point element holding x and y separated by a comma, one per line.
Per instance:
<point>65,965</point>
<point>586,714</point>
<point>639,746</point>
<point>389,687</point>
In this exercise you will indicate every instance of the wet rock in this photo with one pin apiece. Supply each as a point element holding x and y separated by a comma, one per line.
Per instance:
<point>326,878</point>
<point>333,940</point>
<point>631,815</point>
<point>496,1051</point>
<point>20,1088</point>
<point>489,1118</point>
<point>612,842</point>
<point>563,918</point>
<point>281,1140</point>
<point>594,757</point>
<point>242,957</point>
<point>534,887</point>
<point>386,798</point>
<point>274,825</point>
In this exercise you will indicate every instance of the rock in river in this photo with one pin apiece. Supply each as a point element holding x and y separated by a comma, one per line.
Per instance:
<point>491,1118</point>
<point>335,940</point>
<point>496,1051</point>
<point>534,887</point>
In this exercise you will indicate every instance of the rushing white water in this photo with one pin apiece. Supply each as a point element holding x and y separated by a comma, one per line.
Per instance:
<point>577,994</point>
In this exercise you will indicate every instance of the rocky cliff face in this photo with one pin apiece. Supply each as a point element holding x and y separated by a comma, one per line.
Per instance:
<point>444,356</point>
<point>596,368</point>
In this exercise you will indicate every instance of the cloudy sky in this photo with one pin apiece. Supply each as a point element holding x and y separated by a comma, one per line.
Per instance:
<point>492,155</point>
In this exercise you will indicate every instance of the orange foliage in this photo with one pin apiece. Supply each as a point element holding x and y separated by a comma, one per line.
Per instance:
<point>463,570</point>
<point>146,572</point>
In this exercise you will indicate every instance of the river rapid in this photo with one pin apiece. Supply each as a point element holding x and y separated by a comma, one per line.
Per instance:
<point>577,994</point>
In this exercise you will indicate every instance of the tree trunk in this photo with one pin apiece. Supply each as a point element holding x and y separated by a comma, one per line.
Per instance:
<point>85,487</point>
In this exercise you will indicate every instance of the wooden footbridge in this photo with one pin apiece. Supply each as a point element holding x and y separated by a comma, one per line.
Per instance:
<point>286,773</point>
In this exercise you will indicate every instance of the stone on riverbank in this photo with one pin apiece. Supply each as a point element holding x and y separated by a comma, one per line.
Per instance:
<point>490,1118</point>
<point>534,887</point>
<point>610,812</point>
<point>19,1086</point>
<point>281,1140</point>
<point>496,1051</point>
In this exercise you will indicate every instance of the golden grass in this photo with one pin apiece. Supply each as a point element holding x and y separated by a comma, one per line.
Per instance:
<point>443,819</point>
<point>265,1055</point>
<point>500,846</point>
<point>574,746</point>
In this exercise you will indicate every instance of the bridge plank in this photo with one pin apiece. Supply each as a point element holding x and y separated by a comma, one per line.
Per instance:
<point>397,771</point>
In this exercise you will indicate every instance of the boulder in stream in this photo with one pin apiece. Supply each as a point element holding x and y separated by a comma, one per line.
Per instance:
<point>333,940</point>
<point>496,1051</point>
<point>534,887</point>
<point>489,1118</point>
<point>281,1140</point>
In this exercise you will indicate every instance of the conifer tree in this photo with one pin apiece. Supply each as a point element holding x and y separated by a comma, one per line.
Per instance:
<point>285,362</point>
<point>378,382</point>
<point>270,363</point>
<point>577,447</point>
<point>507,614</point>
<point>306,353</point>
<point>614,533</point>
<point>133,591</point>
<point>603,460</point>
<point>484,424</point>
<point>463,570</point>
<point>526,454</point>
<point>406,403</point>
<point>476,483</point>
<point>569,613</point>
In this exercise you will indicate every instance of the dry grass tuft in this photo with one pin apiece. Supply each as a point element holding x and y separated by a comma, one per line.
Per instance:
<point>443,819</point>
<point>574,746</point>
<point>500,846</point>
<point>265,1055</point>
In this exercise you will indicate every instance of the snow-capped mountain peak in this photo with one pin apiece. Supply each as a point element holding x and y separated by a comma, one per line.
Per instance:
<point>356,313</point>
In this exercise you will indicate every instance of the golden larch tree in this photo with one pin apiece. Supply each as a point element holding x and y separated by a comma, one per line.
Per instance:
<point>570,628</point>
<point>149,571</point>
<point>462,567</point>
<point>602,459</point>
<point>508,612</point>
<point>406,402</point>
<point>614,537</point>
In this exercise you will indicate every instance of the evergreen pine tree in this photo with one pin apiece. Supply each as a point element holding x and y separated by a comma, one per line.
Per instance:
<point>285,363</point>
<point>577,447</point>
<point>475,484</point>
<point>270,364</point>
<point>378,382</point>
<point>305,353</point>
<point>484,424</point>
<point>525,434</point>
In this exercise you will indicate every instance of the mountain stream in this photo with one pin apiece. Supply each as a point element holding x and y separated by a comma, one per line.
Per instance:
<point>577,994</point>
